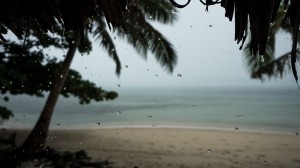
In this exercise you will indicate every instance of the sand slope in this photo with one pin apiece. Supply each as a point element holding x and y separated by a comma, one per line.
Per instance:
<point>172,147</point>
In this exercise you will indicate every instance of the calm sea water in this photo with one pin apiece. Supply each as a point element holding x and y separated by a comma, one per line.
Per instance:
<point>262,109</point>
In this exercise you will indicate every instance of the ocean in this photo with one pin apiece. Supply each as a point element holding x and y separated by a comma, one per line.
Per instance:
<point>229,108</point>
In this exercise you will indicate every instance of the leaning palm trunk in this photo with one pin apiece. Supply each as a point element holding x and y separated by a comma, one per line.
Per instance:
<point>37,138</point>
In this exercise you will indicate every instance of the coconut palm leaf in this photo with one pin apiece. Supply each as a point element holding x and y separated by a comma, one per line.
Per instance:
<point>106,42</point>
<point>144,37</point>
<point>267,66</point>
<point>162,11</point>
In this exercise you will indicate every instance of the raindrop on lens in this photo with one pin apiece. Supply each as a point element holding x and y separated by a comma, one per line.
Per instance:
<point>262,59</point>
<point>153,101</point>
<point>236,129</point>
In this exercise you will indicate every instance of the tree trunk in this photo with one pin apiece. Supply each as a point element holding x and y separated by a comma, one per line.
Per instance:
<point>37,138</point>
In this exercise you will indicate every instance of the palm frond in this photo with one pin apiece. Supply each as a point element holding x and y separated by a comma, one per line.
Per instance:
<point>161,11</point>
<point>274,68</point>
<point>144,37</point>
<point>162,49</point>
<point>106,42</point>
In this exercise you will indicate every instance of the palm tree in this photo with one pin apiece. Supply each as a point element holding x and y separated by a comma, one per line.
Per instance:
<point>140,34</point>
<point>267,66</point>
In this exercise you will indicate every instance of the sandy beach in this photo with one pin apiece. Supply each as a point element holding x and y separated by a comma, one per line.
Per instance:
<point>179,147</point>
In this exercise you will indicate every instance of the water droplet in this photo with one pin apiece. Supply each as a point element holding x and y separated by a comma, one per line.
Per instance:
<point>179,75</point>
<point>208,150</point>
<point>150,17</point>
<point>126,66</point>
<point>118,85</point>
<point>150,116</point>
<point>262,59</point>
<point>236,129</point>
<point>194,106</point>
<point>98,123</point>
<point>210,25</point>
<point>153,101</point>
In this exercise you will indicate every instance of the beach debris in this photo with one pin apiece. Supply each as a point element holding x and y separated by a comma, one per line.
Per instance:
<point>179,75</point>
<point>98,123</point>
<point>237,129</point>
<point>194,106</point>
<point>208,150</point>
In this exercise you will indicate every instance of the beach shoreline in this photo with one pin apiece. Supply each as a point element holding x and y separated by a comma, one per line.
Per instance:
<point>177,147</point>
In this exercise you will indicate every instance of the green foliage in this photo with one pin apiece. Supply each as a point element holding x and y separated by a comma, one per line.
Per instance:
<point>5,113</point>
<point>267,66</point>
<point>31,70</point>
<point>144,37</point>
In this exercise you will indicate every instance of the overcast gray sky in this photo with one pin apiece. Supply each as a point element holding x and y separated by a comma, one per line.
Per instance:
<point>206,56</point>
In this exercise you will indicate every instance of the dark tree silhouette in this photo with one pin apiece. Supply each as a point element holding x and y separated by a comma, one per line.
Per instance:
<point>267,66</point>
<point>148,39</point>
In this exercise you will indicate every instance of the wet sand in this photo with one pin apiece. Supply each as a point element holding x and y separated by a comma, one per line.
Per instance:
<point>178,147</point>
